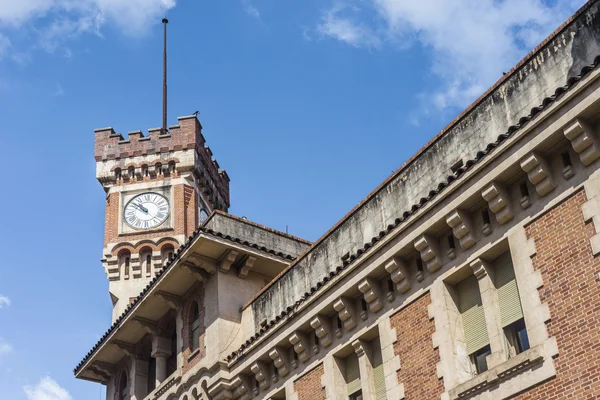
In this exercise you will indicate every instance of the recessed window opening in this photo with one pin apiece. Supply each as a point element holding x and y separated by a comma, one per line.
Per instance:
<point>419,265</point>
<point>485,215</point>
<point>479,359</point>
<point>363,305</point>
<point>524,190</point>
<point>451,244</point>
<point>566,159</point>
<point>148,264</point>
<point>339,323</point>
<point>472,314</point>
<point>195,327</point>
<point>390,285</point>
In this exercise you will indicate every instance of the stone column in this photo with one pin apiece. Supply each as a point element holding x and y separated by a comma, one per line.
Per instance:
<point>365,365</point>
<point>484,272</point>
<point>161,350</point>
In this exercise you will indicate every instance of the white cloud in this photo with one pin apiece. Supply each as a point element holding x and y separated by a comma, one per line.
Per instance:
<point>55,22</point>
<point>4,301</point>
<point>250,9</point>
<point>5,348</point>
<point>342,23</point>
<point>471,42</point>
<point>46,389</point>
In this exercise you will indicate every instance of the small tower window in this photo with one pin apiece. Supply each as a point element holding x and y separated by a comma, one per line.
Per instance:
<point>195,327</point>
<point>148,264</point>
<point>123,392</point>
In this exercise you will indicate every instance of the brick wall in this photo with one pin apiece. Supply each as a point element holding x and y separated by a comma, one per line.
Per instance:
<point>192,358</point>
<point>572,291</point>
<point>309,386</point>
<point>418,358</point>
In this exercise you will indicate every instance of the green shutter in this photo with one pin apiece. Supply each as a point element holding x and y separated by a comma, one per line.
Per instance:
<point>508,293</point>
<point>473,318</point>
<point>352,374</point>
<point>378,374</point>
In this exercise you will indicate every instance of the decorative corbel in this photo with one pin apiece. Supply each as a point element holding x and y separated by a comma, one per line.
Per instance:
<point>98,372</point>
<point>346,312</point>
<point>280,360</point>
<point>429,248</point>
<point>107,368</point>
<point>372,292</point>
<point>198,272</point>
<point>206,263</point>
<point>173,301</point>
<point>361,347</point>
<point>479,268</point>
<point>460,222</point>
<point>149,326</point>
<point>128,348</point>
<point>227,259</point>
<point>499,202</point>
<point>399,274</point>
<point>246,266</point>
<point>322,329</point>
<point>583,139</point>
<point>261,371</point>
<point>221,391</point>
<point>539,173</point>
<point>241,387</point>
<point>300,343</point>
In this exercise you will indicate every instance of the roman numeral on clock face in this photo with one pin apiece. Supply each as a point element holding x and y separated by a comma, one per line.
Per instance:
<point>146,211</point>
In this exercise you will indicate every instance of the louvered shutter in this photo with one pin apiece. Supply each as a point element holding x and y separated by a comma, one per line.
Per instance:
<point>473,318</point>
<point>508,293</point>
<point>378,374</point>
<point>352,374</point>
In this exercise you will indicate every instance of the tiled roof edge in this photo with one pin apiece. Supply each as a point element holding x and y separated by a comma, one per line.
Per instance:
<point>406,214</point>
<point>164,269</point>
<point>454,122</point>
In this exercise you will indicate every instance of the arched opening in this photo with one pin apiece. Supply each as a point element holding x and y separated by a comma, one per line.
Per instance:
<point>118,174</point>
<point>158,167</point>
<point>124,263</point>
<point>146,260</point>
<point>195,327</point>
<point>123,392</point>
<point>131,172</point>
<point>166,253</point>
<point>145,172</point>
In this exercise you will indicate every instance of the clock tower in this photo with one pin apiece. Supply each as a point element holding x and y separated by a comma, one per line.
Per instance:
<point>159,188</point>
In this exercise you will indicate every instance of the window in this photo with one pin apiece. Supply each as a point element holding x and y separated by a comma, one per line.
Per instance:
<point>511,312</point>
<point>378,373</point>
<point>352,376</point>
<point>195,327</point>
<point>479,359</point>
<point>476,336</point>
<point>148,264</point>
<point>124,261</point>
<point>167,252</point>
<point>123,392</point>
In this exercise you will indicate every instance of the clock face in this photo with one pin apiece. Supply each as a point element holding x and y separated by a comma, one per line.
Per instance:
<point>146,210</point>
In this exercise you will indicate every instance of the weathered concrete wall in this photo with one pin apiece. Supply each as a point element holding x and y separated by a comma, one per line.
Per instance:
<point>559,59</point>
<point>255,234</point>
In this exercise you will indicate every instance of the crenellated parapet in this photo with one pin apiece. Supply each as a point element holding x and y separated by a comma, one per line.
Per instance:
<point>180,152</point>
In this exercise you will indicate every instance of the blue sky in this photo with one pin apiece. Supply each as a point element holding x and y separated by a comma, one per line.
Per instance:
<point>308,104</point>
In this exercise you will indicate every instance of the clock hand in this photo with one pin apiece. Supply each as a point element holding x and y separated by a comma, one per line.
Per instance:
<point>140,207</point>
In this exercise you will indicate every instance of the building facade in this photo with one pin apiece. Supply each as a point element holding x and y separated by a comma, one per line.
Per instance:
<point>472,272</point>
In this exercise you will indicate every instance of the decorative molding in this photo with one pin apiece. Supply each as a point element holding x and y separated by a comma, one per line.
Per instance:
<point>479,268</point>
<point>322,327</point>
<point>149,326</point>
<point>227,259</point>
<point>200,274</point>
<point>539,173</point>
<point>241,387</point>
<point>128,348</point>
<point>398,274</point>
<point>373,294</point>
<point>498,202</point>
<point>346,312</point>
<point>199,260</point>
<point>300,343</point>
<point>173,301</point>
<point>280,360</point>
<point>247,266</point>
<point>460,222</point>
<point>428,246</point>
<point>261,372</point>
<point>361,347</point>
<point>583,140</point>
